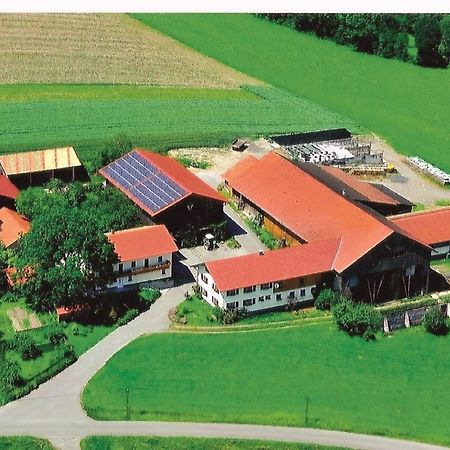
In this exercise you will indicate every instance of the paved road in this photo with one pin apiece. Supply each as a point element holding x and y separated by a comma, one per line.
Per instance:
<point>409,183</point>
<point>54,412</point>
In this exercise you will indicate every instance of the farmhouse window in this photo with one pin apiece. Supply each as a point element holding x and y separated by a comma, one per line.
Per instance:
<point>163,271</point>
<point>204,278</point>
<point>249,302</point>
<point>249,289</point>
<point>232,292</point>
<point>291,294</point>
<point>130,277</point>
<point>133,264</point>
<point>215,288</point>
<point>160,259</point>
<point>232,305</point>
<point>120,267</point>
<point>278,297</point>
<point>302,292</point>
<point>261,299</point>
<point>146,262</point>
<point>215,301</point>
<point>268,297</point>
<point>266,286</point>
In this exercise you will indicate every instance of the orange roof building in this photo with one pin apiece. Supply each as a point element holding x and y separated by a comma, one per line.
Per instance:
<point>298,208</point>
<point>12,226</point>
<point>8,191</point>
<point>145,255</point>
<point>430,226</point>
<point>166,191</point>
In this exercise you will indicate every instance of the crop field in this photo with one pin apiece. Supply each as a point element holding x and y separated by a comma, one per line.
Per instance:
<point>194,118</point>
<point>407,105</point>
<point>397,385</point>
<point>101,48</point>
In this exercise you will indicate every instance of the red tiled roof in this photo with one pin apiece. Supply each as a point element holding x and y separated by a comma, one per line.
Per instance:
<point>181,176</point>
<point>13,225</point>
<point>142,242</point>
<point>432,226</point>
<point>7,188</point>
<point>310,209</point>
<point>371,193</point>
<point>239,168</point>
<point>275,265</point>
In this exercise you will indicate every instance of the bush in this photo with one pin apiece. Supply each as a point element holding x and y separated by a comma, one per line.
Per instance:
<point>55,334</point>
<point>326,300</point>
<point>435,322</point>
<point>358,319</point>
<point>10,373</point>
<point>26,346</point>
<point>148,296</point>
<point>128,316</point>
<point>231,316</point>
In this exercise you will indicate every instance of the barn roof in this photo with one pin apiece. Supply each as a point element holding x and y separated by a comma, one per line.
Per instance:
<point>155,182</point>
<point>273,266</point>
<point>310,209</point>
<point>7,188</point>
<point>39,161</point>
<point>12,226</point>
<point>431,226</point>
<point>142,242</point>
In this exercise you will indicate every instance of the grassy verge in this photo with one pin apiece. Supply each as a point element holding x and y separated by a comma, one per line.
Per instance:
<point>407,105</point>
<point>24,443</point>
<point>199,313</point>
<point>396,386</point>
<point>187,443</point>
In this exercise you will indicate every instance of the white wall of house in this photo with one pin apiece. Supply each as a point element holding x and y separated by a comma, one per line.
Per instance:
<point>252,298</point>
<point>142,270</point>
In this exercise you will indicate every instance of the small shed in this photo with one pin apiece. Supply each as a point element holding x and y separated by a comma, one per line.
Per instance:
<point>239,145</point>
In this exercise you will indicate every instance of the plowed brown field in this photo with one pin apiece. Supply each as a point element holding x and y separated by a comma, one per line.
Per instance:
<point>102,48</point>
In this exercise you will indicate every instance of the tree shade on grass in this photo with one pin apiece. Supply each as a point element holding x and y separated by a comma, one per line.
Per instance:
<point>408,105</point>
<point>24,443</point>
<point>159,123</point>
<point>187,443</point>
<point>397,385</point>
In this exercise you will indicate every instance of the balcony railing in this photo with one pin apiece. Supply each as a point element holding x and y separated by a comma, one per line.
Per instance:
<point>151,268</point>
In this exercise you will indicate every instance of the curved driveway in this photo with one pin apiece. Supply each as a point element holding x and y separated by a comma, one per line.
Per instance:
<point>54,411</point>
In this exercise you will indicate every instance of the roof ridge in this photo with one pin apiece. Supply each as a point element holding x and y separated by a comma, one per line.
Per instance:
<point>136,228</point>
<point>419,213</point>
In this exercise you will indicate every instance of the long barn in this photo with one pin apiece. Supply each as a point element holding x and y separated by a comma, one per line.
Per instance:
<point>376,258</point>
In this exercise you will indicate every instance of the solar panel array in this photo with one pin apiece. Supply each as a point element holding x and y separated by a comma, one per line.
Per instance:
<point>144,181</point>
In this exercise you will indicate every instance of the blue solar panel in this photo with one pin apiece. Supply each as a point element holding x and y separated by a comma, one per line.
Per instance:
<point>143,180</point>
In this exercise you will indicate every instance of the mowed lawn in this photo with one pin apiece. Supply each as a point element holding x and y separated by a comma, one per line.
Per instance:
<point>186,443</point>
<point>406,104</point>
<point>152,117</point>
<point>397,386</point>
<point>24,443</point>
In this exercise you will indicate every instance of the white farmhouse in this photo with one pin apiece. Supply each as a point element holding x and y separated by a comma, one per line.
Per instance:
<point>270,280</point>
<point>145,256</point>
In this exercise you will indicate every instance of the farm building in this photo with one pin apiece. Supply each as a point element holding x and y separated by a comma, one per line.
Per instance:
<point>145,256</point>
<point>265,281</point>
<point>12,227</point>
<point>375,260</point>
<point>432,227</point>
<point>8,193</point>
<point>376,196</point>
<point>168,193</point>
<point>40,166</point>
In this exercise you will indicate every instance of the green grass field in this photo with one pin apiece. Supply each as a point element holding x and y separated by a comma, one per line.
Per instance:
<point>406,104</point>
<point>397,385</point>
<point>186,443</point>
<point>195,119</point>
<point>24,443</point>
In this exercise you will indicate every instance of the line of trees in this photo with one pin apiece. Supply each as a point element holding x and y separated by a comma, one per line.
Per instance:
<point>386,35</point>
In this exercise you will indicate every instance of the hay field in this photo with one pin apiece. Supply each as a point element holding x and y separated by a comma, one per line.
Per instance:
<point>102,48</point>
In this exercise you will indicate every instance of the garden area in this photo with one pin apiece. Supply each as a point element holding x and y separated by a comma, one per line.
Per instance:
<point>24,443</point>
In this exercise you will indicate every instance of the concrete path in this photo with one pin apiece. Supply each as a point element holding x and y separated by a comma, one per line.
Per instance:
<point>53,411</point>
